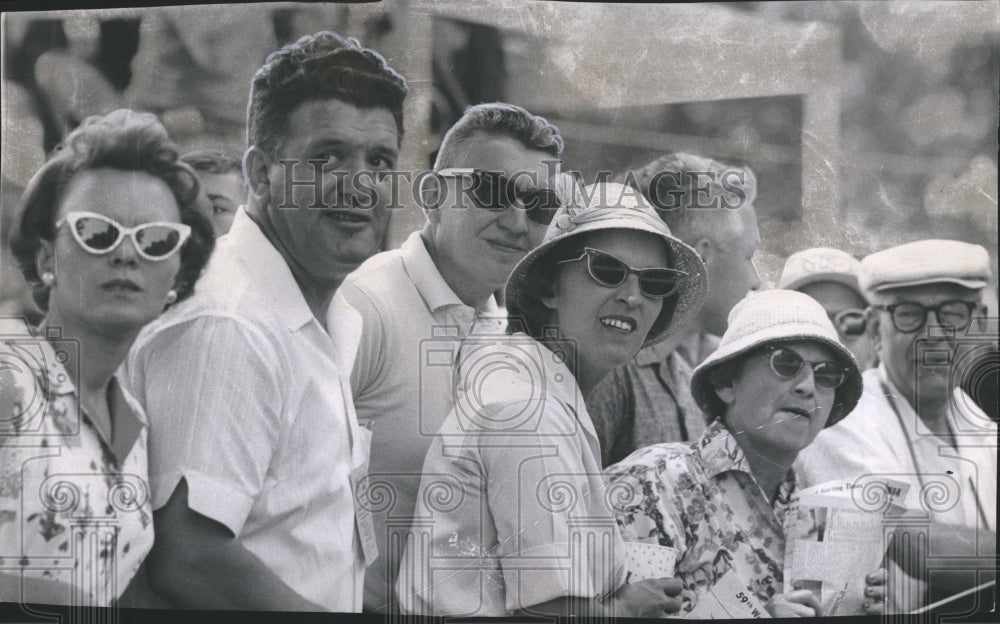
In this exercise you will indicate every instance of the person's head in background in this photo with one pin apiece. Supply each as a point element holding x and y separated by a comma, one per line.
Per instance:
<point>710,206</point>
<point>223,190</point>
<point>830,276</point>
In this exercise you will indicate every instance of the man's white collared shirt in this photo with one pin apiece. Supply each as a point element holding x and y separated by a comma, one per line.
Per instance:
<point>249,401</point>
<point>955,485</point>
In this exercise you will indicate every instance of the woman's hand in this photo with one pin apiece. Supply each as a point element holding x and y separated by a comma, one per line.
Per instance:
<point>797,603</point>
<point>649,598</point>
<point>889,590</point>
<point>875,582</point>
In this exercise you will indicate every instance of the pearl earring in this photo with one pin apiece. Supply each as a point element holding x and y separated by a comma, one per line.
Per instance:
<point>48,278</point>
<point>171,296</point>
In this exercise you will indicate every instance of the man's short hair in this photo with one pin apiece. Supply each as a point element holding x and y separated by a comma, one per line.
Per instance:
<point>502,119</point>
<point>212,161</point>
<point>671,182</point>
<point>319,67</point>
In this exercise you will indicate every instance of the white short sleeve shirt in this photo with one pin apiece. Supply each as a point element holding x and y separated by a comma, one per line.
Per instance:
<point>248,400</point>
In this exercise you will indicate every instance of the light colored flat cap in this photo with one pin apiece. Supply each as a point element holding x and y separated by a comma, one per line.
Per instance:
<point>820,264</point>
<point>929,261</point>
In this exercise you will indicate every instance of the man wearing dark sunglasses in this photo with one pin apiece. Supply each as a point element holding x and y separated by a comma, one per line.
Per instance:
<point>488,202</point>
<point>256,450</point>
<point>914,422</point>
<point>830,276</point>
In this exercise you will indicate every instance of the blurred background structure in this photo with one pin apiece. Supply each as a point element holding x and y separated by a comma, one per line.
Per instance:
<point>868,124</point>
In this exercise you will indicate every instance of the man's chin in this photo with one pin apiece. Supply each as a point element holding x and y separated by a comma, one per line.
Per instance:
<point>935,385</point>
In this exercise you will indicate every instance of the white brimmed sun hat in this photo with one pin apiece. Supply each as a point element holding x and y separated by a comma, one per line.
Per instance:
<point>609,206</point>
<point>773,316</point>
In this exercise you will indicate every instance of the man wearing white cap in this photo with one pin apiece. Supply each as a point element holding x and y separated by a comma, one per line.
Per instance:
<point>830,276</point>
<point>913,419</point>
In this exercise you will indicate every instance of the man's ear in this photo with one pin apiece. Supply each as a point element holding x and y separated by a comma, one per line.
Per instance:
<point>256,173</point>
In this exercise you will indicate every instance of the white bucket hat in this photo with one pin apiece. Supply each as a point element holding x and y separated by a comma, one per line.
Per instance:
<point>772,316</point>
<point>608,206</point>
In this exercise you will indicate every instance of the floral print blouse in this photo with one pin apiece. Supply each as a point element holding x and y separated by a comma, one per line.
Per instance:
<point>701,499</point>
<point>73,508</point>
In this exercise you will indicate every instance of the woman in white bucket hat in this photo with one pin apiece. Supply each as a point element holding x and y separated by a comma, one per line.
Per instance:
<point>512,489</point>
<point>779,376</point>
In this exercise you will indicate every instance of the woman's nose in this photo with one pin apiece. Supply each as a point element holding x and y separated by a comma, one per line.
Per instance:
<point>805,383</point>
<point>629,291</point>
<point>125,252</point>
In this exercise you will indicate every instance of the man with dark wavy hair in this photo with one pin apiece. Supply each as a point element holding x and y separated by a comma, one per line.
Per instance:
<point>255,447</point>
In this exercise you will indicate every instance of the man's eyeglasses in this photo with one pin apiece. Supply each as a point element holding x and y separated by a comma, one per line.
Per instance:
<point>100,235</point>
<point>786,363</point>
<point>496,192</point>
<point>607,270</point>
<point>849,322</point>
<point>909,317</point>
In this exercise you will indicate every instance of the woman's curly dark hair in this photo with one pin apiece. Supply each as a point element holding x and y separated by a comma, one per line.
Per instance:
<point>125,140</point>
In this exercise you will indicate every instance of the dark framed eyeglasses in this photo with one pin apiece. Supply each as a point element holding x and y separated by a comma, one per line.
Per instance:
<point>910,316</point>
<point>495,191</point>
<point>99,235</point>
<point>607,270</point>
<point>786,363</point>
<point>849,322</point>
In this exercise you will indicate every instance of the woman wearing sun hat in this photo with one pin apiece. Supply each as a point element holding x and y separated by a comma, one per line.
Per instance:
<point>779,376</point>
<point>511,514</point>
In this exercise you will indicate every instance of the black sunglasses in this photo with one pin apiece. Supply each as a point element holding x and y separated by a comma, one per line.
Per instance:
<point>495,191</point>
<point>786,363</point>
<point>607,270</point>
<point>908,317</point>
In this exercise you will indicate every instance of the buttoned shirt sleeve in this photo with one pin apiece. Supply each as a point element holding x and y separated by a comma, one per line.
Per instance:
<point>528,520</point>
<point>538,498</point>
<point>211,386</point>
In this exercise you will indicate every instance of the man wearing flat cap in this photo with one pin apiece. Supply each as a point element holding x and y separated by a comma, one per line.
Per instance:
<point>925,298</point>
<point>830,276</point>
<point>913,422</point>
